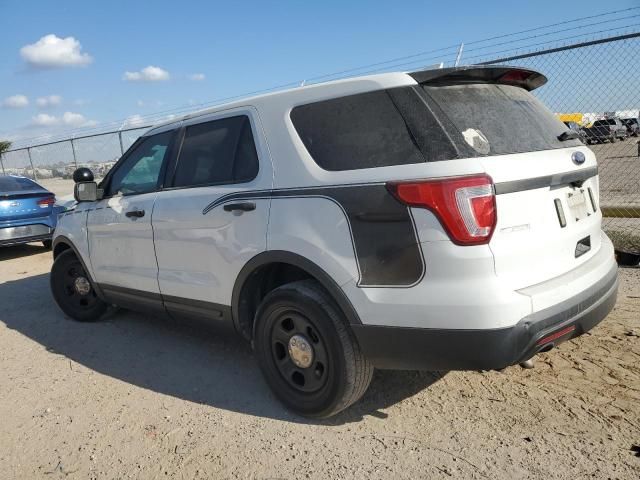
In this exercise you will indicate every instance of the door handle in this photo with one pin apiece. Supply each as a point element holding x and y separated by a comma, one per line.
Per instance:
<point>241,206</point>
<point>135,213</point>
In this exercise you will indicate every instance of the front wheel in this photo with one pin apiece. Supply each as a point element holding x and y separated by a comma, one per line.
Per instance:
<point>72,289</point>
<point>308,355</point>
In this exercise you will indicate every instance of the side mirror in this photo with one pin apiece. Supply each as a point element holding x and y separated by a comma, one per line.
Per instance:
<point>82,174</point>
<point>86,192</point>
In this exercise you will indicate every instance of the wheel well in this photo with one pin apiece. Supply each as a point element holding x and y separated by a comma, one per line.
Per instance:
<point>59,248</point>
<point>258,284</point>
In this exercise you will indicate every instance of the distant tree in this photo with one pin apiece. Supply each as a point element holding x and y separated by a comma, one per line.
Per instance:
<point>4,146</point>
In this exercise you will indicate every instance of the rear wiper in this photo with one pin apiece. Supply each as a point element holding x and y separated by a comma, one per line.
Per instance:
<point>568,135</point>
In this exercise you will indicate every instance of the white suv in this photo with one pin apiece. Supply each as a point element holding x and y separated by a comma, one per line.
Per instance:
<point>440,220</point>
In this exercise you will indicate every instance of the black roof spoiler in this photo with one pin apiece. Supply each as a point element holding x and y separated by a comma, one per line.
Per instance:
<point>521,77</point>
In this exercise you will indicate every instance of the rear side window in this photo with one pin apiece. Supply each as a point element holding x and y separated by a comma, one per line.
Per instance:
<point>354,132</point>
<point>16,184</point>
<point>218,152</point>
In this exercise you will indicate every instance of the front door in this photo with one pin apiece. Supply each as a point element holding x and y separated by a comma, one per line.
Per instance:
<point>119,227</point>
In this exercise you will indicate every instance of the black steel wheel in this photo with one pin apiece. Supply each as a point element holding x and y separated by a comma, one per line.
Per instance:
<point>72,289</point>
<point>299,351</point>
<point>307,352</point>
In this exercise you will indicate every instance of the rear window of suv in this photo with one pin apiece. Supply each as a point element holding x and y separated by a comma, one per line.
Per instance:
<point>426,123</point>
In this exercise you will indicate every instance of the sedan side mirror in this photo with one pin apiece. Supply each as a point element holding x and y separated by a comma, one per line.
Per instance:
<point>86,192</point>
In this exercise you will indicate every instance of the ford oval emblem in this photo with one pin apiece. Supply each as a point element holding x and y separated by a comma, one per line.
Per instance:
<point>578,158</point>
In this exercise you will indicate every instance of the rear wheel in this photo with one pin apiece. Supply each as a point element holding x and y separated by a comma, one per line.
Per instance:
<point>72,289</point>
<point>307,353</point>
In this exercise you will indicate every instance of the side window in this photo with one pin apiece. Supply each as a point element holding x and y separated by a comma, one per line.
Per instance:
<point>217,152</point>
<point>140,171</point>
<point>358,131</point>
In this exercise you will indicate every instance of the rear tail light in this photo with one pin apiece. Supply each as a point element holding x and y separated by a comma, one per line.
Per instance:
<point>46,202</point>
<point>465,206</point>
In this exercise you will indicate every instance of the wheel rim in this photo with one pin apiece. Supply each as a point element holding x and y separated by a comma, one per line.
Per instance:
<point>299,352</point>
<point>77,287</point>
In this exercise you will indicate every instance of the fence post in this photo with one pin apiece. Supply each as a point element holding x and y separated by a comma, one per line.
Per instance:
<point>73,150</point>
<point>2,164</point>
<point>33,169</point>
<point>120,138</point>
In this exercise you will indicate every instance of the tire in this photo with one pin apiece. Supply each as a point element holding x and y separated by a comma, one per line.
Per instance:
<point>47,244</point>
<point>613,139</point>
<point>337,374</point>
<point>65,272</point>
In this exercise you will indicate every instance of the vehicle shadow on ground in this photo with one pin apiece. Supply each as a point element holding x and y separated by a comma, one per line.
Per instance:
<point>211,366</point>
<point>17,251</point>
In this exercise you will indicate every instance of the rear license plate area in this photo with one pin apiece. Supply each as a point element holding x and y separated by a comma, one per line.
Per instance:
<point>577,202</point>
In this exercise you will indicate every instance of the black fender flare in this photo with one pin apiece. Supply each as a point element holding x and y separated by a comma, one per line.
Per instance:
<point>282,256</point>
<point>64,240</point>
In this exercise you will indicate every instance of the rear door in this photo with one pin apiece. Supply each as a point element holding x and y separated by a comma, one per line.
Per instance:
<point>211,219</point>
<point>547,188</point>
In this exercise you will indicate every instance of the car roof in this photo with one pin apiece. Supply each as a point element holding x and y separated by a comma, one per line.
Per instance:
<point>366,83</point>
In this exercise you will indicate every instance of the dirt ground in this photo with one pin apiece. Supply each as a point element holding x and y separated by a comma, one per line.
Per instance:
<point>135,397</point>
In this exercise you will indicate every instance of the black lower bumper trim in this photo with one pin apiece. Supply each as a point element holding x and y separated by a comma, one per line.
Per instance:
<point>445,349</point>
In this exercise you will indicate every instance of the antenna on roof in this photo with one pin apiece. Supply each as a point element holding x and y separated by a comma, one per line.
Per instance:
<point>459,54</point>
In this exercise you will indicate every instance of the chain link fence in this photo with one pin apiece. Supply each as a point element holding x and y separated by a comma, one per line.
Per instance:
<point>589,82</point>
<point>52,164</point>
<point>592,85</point>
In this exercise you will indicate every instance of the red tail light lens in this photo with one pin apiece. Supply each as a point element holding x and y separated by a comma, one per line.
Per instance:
<point>47,202</point>
<point>515,76</point>
<point>465,206</point>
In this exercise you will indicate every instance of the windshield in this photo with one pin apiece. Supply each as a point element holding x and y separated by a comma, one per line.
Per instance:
<point>17,184</point>
<point>499,119</point>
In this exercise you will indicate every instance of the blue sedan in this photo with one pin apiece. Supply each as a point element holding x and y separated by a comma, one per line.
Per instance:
<point>27,212</point>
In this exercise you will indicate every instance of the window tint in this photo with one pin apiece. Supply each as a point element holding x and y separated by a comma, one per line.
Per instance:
<point>140,171</point>
<point>498,119</point>
<point>217,152</point>
<point>17,184</point>
<point>358,131</point>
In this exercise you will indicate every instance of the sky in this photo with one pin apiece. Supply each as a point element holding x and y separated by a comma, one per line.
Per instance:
<point>73,65</point>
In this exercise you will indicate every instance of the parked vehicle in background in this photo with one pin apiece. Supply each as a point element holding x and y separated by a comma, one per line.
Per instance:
<point>578,129</point>
<point>399,221</point>
<point>27,212</point>
<point>633,126</point>
<point>608,129</point>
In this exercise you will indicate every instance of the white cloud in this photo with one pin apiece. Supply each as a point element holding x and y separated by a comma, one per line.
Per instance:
<point>68,119</point>
<point>45,120</point>
<point>197,77</point>
<point>15,101</point>
<point>147,74</point>
<point>52,51</point>
<point>134,121</point>
<point>49,101</point>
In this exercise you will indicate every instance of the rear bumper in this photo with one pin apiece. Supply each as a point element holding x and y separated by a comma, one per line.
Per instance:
<point>24,234</point>
<point>448,349</point>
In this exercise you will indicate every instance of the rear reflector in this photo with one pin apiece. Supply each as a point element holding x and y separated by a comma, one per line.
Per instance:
<point>465,206</point>
<point>47,202</point>
<point>556,335</point>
